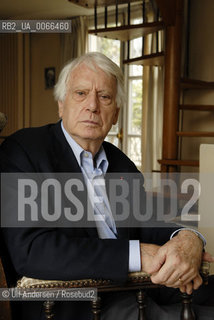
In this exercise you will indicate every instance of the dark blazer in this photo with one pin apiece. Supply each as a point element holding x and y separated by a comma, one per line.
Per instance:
<point>66,253</point>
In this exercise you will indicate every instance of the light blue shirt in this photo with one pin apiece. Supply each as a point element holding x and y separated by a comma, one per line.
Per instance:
<point>94,170</point>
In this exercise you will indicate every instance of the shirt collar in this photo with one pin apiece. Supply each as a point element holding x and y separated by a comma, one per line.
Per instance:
<point>100,157</point>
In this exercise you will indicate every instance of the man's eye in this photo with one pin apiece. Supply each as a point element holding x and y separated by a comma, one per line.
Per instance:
<point>105,97</point>
<point>80,93</point>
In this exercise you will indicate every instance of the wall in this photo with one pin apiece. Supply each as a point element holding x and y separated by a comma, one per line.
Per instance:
<point>11,81</point>
<point>44,53</point>
<point>201,67</point>
<point>23,96</point>
<point>206,223</point>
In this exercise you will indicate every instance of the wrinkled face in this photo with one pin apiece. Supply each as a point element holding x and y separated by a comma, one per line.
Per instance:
<point>89,108</point>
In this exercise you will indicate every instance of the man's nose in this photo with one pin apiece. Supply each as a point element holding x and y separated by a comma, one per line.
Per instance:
<point>93,102</point>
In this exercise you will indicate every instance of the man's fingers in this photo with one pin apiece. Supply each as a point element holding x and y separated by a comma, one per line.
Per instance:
<point>207,257</point>
<point>163,274</point>
<point>175,276</point>
<point>182,289</point>
<point>197,282</point>
<point>194,284</point>
<point>189,288</point>
<point>176,281</point>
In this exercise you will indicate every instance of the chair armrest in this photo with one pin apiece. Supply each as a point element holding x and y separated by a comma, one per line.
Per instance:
<point>134,279</point>
<point>205,271</point>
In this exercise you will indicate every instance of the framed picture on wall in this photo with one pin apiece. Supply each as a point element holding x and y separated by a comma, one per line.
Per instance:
<point>49,77</point>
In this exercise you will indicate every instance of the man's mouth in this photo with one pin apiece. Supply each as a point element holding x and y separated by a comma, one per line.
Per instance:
<point>91,122</point>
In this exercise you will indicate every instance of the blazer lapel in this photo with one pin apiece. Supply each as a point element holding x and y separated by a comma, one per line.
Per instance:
<point>65,160</point>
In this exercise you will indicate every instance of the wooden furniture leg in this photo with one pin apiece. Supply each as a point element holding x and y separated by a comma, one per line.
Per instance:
<point>48,308</point>
<point>96,308</point>
<point>141,305</point>
<point>186,312</point>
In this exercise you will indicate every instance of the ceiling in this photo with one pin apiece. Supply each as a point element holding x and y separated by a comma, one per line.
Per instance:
<point>40,9</point>
<point>54,9</point>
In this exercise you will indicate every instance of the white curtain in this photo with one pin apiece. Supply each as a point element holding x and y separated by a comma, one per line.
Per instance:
<point>152,118</point>
<point>153,86</point>
<point>74,44</point>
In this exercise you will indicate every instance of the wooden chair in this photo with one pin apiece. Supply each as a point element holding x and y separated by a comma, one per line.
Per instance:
<point>138,281</point>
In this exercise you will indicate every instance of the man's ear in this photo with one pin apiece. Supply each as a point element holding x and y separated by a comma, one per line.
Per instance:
<point>60,108</point>
<point>116,115</point>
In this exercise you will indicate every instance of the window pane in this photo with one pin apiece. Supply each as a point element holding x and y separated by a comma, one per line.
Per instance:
<point>135,106</point>
<point>134,150</point>
<point>92,43</point>
<point>115,128</point>
<point>112,139</point>
<point>136,48</point>
<point>109,47</point>
<point>135,70</point>
<point>137,21</point>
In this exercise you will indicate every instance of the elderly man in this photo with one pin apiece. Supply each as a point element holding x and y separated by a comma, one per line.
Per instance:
<point>90,93</point>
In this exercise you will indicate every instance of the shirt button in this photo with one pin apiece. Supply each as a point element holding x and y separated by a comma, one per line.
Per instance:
<point>86,155</point>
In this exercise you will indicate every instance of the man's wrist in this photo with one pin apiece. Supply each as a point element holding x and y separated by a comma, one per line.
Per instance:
<point>197,233</point>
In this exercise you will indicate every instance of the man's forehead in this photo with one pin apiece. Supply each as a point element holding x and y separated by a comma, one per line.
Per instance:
<point>82,71</point>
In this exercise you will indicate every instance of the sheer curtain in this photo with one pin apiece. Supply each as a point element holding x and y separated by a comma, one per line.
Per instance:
<point>152,118</point>
<point>74,44</point>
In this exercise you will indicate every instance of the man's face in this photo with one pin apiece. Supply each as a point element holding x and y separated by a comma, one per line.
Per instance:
<point>89,108</point>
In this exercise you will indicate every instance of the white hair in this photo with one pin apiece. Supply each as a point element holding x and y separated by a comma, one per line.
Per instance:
<point>91,59</point>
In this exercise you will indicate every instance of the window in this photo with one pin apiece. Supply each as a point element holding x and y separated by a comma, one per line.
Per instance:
<point>134,114</point>
<point>111,48</point>
<point>130,121</point>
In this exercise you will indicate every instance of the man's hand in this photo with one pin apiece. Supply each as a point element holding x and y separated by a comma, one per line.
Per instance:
<point>176,264</point>
<point>148,252</point>
<point>205,257</point>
